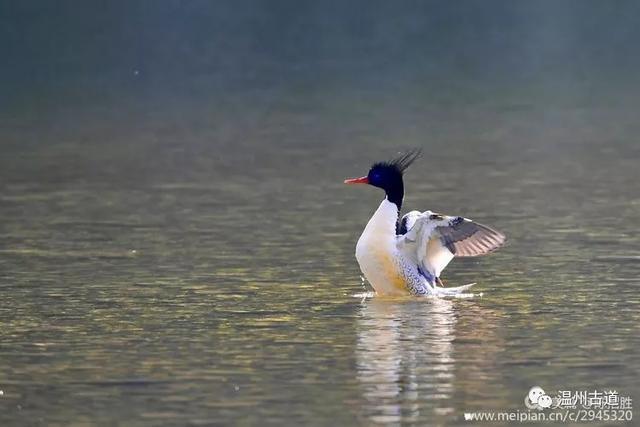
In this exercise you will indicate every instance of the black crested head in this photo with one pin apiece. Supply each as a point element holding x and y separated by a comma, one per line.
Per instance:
<point>388,175</point>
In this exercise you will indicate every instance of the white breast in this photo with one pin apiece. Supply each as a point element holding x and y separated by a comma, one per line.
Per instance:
<point>377,254</point>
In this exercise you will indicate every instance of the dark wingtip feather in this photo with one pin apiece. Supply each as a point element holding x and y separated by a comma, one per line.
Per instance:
<point>485,241</point>
<point>466,238</point>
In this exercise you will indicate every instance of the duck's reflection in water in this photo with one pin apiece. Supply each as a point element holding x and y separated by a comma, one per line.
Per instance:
<point>405,358</point>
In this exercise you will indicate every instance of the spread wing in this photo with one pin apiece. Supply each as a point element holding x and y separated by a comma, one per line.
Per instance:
<point>436,239</point>
<point>463,237</point>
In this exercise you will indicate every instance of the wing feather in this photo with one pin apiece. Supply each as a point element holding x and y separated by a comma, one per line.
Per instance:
<point>466,238</point>
<point>433,240</point>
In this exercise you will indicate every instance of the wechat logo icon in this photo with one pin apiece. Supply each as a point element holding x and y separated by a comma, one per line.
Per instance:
<point>537,399</point>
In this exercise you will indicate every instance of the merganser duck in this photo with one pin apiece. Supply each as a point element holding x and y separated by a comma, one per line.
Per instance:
<point>407,255</point>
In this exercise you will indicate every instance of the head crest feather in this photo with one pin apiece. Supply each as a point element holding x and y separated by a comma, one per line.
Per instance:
<point>403,161</point>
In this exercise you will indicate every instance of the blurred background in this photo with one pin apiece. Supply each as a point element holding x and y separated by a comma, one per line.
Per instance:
<point>176,245</point>
<point>200,76</point>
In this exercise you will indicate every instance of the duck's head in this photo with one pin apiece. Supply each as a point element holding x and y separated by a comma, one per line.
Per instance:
<point>388,176</point>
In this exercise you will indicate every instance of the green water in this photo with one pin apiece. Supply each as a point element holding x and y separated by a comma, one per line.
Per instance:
<point>185,266</point>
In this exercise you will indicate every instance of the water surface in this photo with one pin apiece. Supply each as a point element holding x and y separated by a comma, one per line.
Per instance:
<point>195,266</point>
